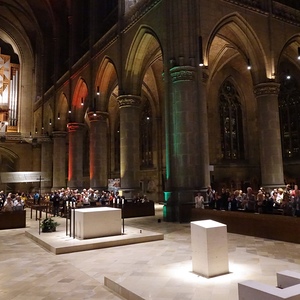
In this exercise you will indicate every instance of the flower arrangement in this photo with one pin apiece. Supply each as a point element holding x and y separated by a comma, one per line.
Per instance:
<point>49,225</point>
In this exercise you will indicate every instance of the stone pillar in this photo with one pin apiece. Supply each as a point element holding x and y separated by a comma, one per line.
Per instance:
<point>129,143</point>
<point>59,160</point>
<point>98,150</point>
<point>75,174</point>
<point>269,135</point>
<point>204,144</point>
<point>36,156</point>
<point>188,145</point>
<point>46,166</point>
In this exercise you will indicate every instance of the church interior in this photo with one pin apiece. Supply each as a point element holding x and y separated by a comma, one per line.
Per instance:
<point>161,98</point>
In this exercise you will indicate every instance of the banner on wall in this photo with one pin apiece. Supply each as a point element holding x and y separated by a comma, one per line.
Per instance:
<point>114,184</point>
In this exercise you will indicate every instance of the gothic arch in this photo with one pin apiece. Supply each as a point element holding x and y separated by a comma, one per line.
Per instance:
<point>234,41</point>
<point>80,101</point>
<point>10,158</point>
<point>106,81</point>
<point>289,56</point>
<point>144,51</point>
<point>22,48</point>
<point>62,113</point>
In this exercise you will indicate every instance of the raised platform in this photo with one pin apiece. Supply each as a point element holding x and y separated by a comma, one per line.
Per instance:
<point>58,243</point>
<point>276,227</point>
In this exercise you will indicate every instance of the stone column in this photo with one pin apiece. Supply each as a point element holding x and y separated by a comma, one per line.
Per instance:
<point>36,156</point>
<point>59,160</point>
<point>204,144</point>
<point>129,143</point>
<point>188,146</point>
<point>98,150</point>
<point>46,166</point>
<point>269,135</point>
<point>75,174</point>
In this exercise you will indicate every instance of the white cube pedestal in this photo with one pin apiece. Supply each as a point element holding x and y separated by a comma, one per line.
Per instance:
<point>209,248</point>
<point>97,222</point>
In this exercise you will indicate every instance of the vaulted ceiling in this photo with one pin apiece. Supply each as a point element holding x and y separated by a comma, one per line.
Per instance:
<point>34,19</point>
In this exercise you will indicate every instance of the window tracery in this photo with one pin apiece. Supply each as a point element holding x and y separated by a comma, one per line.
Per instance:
<point>232,143</point>
<point>146,151</point>
<point>289,113</point>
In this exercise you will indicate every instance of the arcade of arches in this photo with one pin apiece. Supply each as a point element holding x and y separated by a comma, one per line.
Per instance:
<point>163,95</point>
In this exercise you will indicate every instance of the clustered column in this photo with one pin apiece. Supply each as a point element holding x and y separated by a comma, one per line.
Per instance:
<point>269,129</point>
<point>188,141</point>
<point>98,150</point>
<point>185,124</point>
<point>129,142</point>
<point>59,159</point>
<point>75,176</point>
<point>46,165</point>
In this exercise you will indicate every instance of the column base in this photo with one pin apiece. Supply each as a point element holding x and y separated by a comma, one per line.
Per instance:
<point>178,205</point>
<point>129,193</point>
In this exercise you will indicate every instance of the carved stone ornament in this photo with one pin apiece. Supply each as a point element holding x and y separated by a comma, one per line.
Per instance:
<point>265,89</point>
<point>129,100</point>
<point>73,127</point>
<point>182,73</point>
<point>97,116</point>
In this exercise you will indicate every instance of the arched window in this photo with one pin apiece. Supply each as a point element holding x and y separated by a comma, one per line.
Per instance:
<point>146,136</point>
<point>232,141</point>
<point>289,113</point>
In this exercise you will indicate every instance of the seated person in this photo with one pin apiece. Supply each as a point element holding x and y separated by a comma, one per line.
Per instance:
<point>18,203</point>
<point>8,204</point>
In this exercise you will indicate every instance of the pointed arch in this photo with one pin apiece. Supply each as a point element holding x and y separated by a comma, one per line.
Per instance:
<point>232,38</point>
<point>144,51</point>
<point>79,101</point>
<point>106,81</point>
<point>62,112</point>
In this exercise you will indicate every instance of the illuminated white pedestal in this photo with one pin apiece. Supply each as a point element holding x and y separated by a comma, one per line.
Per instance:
<point>97,222</point>
<point>288,288</point>
<point>209,248</point>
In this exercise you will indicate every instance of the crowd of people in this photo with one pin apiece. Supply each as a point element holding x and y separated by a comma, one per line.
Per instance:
<point>12,202</point>
<point>284,201</point>
<point>59,199</point>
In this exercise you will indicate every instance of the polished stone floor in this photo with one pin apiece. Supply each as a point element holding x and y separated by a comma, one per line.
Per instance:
<point>158,270</point>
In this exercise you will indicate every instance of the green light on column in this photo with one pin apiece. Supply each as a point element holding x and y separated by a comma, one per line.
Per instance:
<point>167,196</point>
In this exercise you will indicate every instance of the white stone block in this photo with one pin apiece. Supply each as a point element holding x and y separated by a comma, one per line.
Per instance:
<point>249,290</point>
<point>287,278</point>
<point>209,248</point>
<point>97,222</point>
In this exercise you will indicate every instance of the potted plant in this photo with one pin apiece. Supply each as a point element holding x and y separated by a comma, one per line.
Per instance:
<point>49,225</point>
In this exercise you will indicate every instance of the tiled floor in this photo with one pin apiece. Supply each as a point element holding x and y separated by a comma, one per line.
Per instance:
<point>159,270</point>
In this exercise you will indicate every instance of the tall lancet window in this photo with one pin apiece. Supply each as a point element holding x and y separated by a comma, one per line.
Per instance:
<point>232,141</point>
<point>146,123</point>
<point>289,113</point>
<point>9,81</point>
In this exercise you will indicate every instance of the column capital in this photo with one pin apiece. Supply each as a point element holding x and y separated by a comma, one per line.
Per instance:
<point>183,73</point>
<point>97,116</point>
<point>58,134</point>
<point>265,89</point>
<point>73,127</point>
<point>129,100</point>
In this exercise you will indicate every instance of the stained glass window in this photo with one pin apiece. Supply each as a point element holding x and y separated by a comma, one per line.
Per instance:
<point>146,152</point>
<point>232,142</point>
<point>289,112</point>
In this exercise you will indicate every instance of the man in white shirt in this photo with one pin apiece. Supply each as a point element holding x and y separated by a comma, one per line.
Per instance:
<point>199,201</point>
